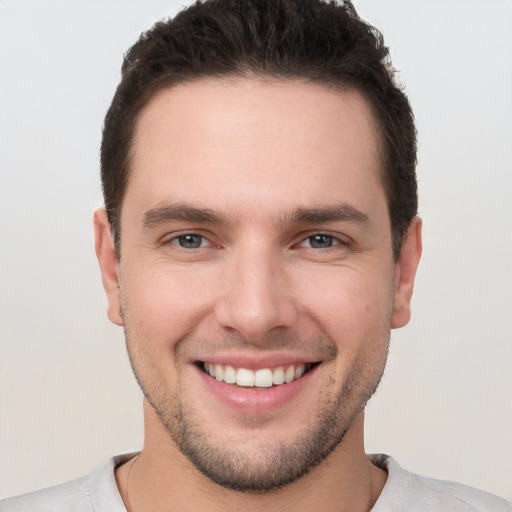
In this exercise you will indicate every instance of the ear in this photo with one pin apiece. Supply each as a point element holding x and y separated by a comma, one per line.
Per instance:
<point>405,272</point>
<point>109,265</point>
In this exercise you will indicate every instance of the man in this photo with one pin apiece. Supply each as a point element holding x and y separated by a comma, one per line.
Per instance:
<point>259,241</point>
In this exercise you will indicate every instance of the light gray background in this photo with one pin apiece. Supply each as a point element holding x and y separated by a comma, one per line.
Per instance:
<point>67,396</point>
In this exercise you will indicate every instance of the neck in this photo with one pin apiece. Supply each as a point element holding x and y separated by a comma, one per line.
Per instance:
<point>162,477</point>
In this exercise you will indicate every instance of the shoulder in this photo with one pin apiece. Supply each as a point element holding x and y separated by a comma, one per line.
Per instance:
<point>71,496</point>
<point>406,491</point>
<point>96,492</point>
<point>454,496</point>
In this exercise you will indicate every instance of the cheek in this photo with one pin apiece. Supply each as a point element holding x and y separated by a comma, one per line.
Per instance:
<point>355,313</point>
<point>165,303</point>
<point>350,304</point>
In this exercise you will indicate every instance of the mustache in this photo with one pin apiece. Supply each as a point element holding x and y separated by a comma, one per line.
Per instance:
<point>314,347</point>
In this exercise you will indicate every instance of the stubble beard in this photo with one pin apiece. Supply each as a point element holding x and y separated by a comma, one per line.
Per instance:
<point>273,466</point>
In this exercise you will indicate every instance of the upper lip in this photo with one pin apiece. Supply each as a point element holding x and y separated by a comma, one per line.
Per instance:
<point>255,361</point>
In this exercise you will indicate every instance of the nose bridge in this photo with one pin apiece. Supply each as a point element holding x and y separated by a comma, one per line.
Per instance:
<point>257,296</point>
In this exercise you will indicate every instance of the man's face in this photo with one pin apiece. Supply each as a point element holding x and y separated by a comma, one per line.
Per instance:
<point>256,246</point>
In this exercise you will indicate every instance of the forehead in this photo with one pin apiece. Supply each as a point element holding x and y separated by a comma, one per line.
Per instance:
<point>255,141</point>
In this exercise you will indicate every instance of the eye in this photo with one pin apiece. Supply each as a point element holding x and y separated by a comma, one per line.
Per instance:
<point>320,241</point>
<point>190,241</point>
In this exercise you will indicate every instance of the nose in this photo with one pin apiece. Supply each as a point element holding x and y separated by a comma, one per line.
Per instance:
<point>257,296</point>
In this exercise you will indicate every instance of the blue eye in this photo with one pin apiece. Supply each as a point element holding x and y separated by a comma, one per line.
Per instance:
<point>321,241</point>
<point>190,241</point>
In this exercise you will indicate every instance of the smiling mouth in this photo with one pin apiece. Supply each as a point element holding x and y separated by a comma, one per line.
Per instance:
<point>261,378</point>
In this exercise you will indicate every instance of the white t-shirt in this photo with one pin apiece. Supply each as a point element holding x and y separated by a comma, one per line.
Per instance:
<point>403,492</point>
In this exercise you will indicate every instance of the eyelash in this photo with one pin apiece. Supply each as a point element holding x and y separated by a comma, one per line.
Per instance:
<point>175,240</point>
<point>335,241</point>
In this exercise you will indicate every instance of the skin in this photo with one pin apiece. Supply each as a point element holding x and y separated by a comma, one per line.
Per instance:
<point>258,153</point>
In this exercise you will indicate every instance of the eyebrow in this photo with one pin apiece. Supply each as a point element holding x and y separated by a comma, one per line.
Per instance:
<point>341,212</point>
<point>183,212</point>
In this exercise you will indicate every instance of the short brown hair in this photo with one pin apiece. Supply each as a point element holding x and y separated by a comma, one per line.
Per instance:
<point>314,40</point>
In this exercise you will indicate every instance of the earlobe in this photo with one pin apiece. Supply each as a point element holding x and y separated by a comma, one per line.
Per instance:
<point>405,274</point>
<point>109,265</point>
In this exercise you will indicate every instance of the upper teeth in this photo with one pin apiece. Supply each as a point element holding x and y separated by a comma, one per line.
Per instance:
<point>262,378</point>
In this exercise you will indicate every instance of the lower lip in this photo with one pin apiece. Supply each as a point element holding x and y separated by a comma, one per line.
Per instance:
<point>256,400</point>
